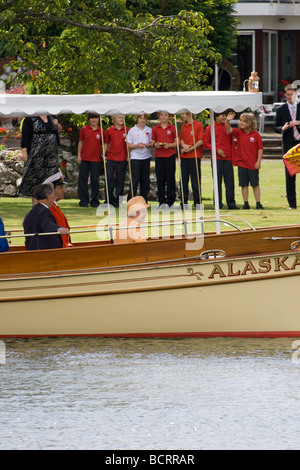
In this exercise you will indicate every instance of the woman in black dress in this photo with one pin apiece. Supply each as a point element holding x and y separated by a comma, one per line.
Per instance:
<point>39,145</point>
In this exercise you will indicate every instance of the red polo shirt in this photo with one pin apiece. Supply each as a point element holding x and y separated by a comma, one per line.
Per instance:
<point>247,148</point>
<point>116,138</point>
<point>164,135</point>
<point>91,148</point>
<point>224,141</point>
<point>186,134</point>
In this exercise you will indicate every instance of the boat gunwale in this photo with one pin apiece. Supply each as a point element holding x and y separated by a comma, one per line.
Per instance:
<point>66,266</point>
<point>205,284</point>
<point>144,266</point>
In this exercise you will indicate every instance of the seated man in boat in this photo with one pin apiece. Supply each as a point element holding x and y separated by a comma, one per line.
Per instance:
<point>3,242</point>
<point>59,191</point>
<point>40,220</point>
<point>130,230</point>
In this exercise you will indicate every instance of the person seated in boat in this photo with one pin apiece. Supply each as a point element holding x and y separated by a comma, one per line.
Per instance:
<point>59,191</point>
<point>130,230</point>
<point>3,241</point>
<point>41,220</point>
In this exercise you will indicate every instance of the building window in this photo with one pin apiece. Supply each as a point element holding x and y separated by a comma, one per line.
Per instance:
<point>269,63</point>
<point>289,57</point>
<point>244,58</point>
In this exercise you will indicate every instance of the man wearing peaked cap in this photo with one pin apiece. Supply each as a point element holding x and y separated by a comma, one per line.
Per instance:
<point>130,230</point>
<point>59,191</point>
<point>57,179</point>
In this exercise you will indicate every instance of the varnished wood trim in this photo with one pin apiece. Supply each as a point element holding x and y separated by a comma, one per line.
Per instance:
<point>278,276</point>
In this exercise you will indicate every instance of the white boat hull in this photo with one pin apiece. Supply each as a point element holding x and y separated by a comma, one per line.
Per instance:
<point>247,296</point>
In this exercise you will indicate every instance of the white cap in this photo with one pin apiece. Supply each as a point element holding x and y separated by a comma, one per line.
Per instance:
<point>56,179</point>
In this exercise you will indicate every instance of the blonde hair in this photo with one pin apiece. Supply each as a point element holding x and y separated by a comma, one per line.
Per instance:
<point>290,86</point>
<point>190,114</point>
<point>250,120</point>
<point>114,117</point>
<point>141,114</point>
<point>162,112</point>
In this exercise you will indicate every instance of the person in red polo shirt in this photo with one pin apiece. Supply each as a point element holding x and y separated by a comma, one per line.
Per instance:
<point>165,142</point>
<point>116,158</point>
<point>248,156</point>
<point>225,150</point>
<point>191,140</point>
<point>88,157</point>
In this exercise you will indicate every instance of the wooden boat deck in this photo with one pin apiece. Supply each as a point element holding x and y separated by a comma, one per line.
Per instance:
<point>102,255</point>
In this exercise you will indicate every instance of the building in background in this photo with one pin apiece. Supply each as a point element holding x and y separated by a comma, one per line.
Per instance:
<point>269,43</point>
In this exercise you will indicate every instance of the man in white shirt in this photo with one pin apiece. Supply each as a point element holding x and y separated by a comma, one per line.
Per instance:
<point>139,144</point>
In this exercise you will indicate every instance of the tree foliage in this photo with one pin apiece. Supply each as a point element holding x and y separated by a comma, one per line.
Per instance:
<point>219,14</point>
<point>88,46</point>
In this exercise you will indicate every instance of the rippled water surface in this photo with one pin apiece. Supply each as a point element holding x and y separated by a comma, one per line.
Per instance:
<point>139,394</point>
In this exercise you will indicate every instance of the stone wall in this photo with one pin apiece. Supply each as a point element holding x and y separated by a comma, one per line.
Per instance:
<point>11,171</point>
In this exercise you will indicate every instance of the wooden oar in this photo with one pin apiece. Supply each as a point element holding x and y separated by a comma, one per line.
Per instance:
<point>196,161</point>
<point>180,175</point>
<point>128,159</point>
<point>105,176</point>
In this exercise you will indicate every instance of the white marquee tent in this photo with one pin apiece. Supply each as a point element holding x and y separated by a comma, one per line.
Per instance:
<point>108,104</point>
<point>134,103</point>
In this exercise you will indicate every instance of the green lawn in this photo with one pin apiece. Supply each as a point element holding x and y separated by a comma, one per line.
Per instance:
<point>272,184</point>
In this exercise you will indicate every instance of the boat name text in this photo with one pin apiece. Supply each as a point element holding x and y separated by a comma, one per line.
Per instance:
<point>263,266</point>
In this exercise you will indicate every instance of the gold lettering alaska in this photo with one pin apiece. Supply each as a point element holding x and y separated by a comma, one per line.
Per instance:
<point>262,266</point>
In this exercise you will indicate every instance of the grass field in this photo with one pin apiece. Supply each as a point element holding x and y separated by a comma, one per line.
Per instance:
<point>272,184</point>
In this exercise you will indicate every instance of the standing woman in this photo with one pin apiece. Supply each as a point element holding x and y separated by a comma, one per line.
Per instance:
<point>39,146</point>
<point>139,143</point>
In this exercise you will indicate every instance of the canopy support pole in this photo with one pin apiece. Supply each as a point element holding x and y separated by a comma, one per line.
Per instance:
<point>106,185</point>
<point>215,171</point>
<point>180,174</point>
<point>128,158</point>
<point>196,162</point>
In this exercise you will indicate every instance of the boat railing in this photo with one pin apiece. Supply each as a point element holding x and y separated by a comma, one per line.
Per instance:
<point>19,233</point>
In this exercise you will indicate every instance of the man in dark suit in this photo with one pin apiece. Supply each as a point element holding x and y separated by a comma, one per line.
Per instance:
<point>288,124</point>
<point>40,220</point>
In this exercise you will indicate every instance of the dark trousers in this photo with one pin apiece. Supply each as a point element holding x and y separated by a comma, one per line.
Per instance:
<point>140,172</point>
<point>189,169</point>
<point>290,182</point>
<point>87,169</point>
<point>225,171</point>
<point>115,173</point>
<point>165,176</point>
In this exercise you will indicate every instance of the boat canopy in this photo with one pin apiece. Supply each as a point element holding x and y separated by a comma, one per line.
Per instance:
<point>131,103</point>
<point>135,103</point>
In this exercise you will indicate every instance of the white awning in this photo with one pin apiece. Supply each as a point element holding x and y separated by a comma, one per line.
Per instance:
<point>132,103</point>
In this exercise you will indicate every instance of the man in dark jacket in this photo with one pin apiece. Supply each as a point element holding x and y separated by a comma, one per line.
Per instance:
<point>40,220</point>
<point>288,124</point>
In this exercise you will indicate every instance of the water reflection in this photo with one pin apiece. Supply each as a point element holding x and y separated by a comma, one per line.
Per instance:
<point>105,393</point>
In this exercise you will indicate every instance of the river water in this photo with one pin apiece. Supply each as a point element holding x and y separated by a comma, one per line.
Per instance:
<point>147,394</point>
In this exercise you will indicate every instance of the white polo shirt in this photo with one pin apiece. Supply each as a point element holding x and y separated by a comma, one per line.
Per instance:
<point>136,135</point>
